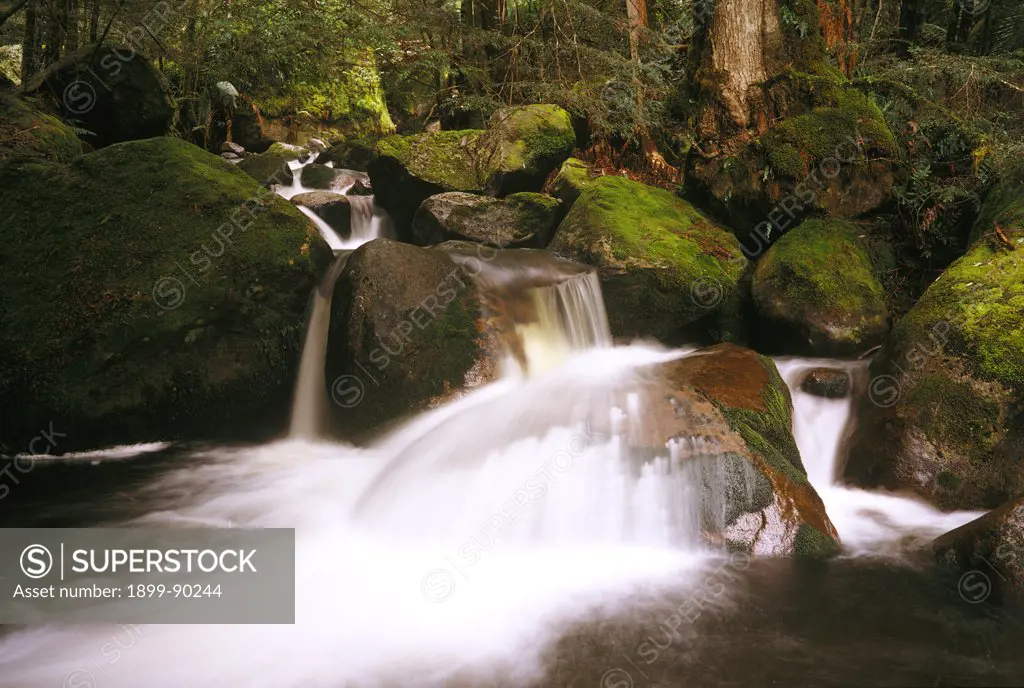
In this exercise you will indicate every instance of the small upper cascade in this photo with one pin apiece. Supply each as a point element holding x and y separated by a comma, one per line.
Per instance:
<point>368,221</point>
<point>540,309</point>
<point>569,317</point>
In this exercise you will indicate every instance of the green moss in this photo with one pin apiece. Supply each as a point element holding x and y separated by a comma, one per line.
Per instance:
<point>444,158</point>
<point>123,308</point>
<point>654,249</point>
<point>818,280</point>
<point>811,543</point>
<point>351,100</point>
<point>947,480</point>
<point>27,133</point>
<point>522,145</point>
<point>981,299</point>
<point>269,164</point>
<point>842,115</point>
<point>822,262</point>
<point>652,226</point>
<point>768,432</point>
<point>10,63</point>
<point>952,414</point>
<point>535,208</point>
<point>573,177</point>
<point>785,159</point>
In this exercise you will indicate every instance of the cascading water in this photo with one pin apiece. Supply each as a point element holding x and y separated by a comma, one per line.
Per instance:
<point>570,317</point>
<point>368,220</point>
<point>868,522</point>
<point>309,409</point>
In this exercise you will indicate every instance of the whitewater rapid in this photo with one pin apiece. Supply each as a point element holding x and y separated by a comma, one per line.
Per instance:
<point>869,522</point>
<point>434,579</point>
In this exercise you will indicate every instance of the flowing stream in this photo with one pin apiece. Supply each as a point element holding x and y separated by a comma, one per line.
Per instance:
<point>869,522</point>
<point>511,537</point>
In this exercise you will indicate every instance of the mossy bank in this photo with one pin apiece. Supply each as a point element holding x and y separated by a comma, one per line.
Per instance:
<point>149,291</point>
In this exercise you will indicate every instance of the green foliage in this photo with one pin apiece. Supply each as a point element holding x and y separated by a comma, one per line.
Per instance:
<point>574,53</point>
<point>960,125</point>
<point>792,22</point>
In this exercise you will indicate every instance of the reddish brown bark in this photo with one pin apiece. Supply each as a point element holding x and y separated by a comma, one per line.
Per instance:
<point>835,17</point>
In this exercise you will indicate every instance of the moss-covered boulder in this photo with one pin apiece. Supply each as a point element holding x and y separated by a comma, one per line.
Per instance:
<point>26,133</point>
<point>843,146</point>
<point>945,414</point>
<point>406,170</point>
<point>522,146</point>
<point>332,208</point>
<point>522,220</point>
<point>148,291</point>
<point>271,166</point>
<point>10,64</point>
<point>830,152</point>
<point>988,553</point>
<point>574,176</point>
<point>404,331</point>
<point>315,176</point>
<point>663,265</point>
<point>349,154</point>
<point>113,91</point>
<point>816,293</point>
<point>755,494</point>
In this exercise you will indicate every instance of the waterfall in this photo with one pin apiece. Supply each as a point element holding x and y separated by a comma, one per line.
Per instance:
<point>368,221</point>
<point>868,522</point>
<point>326,231</point>
<point>309,409</point>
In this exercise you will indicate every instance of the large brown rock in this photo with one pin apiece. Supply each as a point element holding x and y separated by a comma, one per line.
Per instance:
<point>988,552</point>
<point>755,493</point>
<point>403,333</point>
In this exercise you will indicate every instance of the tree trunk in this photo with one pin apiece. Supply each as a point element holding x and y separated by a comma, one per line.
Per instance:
<point>910,24</point>
<point>30,43</point>
<point>94,21</point>
<point>960,22</point>
<point>741,35</point>
<point>835,17</point>
<point>56,31</point>
<point>481,15</point>
<point>636,12</point>
<point>71,37</point>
